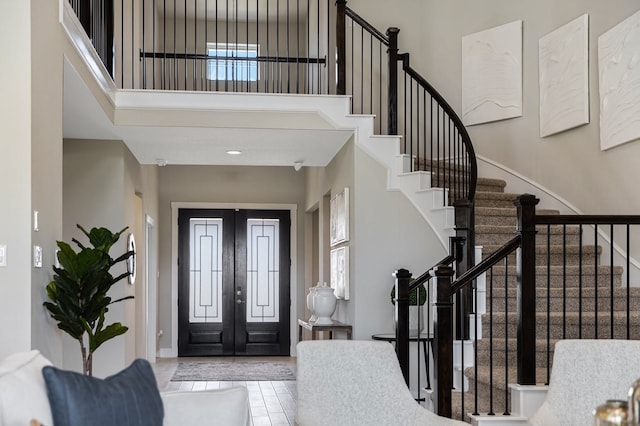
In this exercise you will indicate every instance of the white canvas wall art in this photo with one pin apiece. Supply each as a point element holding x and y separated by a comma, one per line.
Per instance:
<point>339,264</point>
<point>619,72</point>
<point>339,218</point>
<point>492,74</point>
<point>564,77</point>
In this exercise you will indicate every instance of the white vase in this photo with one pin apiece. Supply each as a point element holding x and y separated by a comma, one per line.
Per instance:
<point>324,305</point>
<point>310,296</point>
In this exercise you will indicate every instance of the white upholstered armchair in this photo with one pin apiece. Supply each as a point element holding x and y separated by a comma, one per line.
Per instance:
<point>351,382</point>
<point>585,374</point>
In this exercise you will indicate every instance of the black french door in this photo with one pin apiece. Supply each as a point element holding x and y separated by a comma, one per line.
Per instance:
<point>233,282</point>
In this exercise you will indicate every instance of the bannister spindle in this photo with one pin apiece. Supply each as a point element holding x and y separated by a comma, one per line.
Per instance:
<point>402,327</point>
<point>392,99</point>
<point>526,289</point>
<point>443,341</point>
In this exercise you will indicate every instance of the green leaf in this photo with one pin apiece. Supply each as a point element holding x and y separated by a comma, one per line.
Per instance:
<point>101,336</point>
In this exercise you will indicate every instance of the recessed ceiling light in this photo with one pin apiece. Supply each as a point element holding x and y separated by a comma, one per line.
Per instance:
<point>234,152</point>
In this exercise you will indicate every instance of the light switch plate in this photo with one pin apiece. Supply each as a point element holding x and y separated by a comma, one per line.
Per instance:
<point>37,256</point>
<point>3,255</point>
<point>35,221</point>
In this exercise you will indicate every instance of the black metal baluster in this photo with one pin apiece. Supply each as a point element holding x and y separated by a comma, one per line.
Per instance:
<point>288,52</point>
<point>491,412</point>
<point>164,44</point>
<point>361,70</point>
<point>144,60</point>
<point>595,257</point>
<point>226,49</point>
<point>216,50</point>
<point>580,283</point>
<point>318,84</point>
<point>205,75</point>
<point>133,53</point>
<point>278,76</point>
<point>371,73</point>
<point>328,55</point>
<point>246,27</point>
<point>475,345</point>
<point>506,336</point>
<point>380,120</point>
<point>122,44</point>
<point>298,46</point>
<point>431,137</point>
<point>548,303</point>
<point>153,40</point>
<point>628,283</point>
<point>267,64</point>
<point>258,43</point>
<point>611,249</point>
<point>175,61</point>
<point>195,42</point>
<point>353,54</point>
<point>564,280</point>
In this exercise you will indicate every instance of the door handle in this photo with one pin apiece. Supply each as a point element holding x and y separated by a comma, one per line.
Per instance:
<point>239,301</point>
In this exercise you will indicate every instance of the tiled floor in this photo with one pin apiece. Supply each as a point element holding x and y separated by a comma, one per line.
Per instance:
<point>272,403</point>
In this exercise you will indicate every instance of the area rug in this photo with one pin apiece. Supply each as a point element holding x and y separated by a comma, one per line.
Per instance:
<point>233,371</point>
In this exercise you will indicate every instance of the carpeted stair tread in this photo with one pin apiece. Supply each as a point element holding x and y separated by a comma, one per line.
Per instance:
<point>568,325</point>
<point>560,270</point>
<point>483,352</point>
<point>571,299</point>
<point>502,216</point>
<point>498,234</point>
<point>495,199</point>
<point>509,211</point>
<point>572,249</point>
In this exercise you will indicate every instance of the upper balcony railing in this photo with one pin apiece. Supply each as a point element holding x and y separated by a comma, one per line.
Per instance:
<point>284,46</point>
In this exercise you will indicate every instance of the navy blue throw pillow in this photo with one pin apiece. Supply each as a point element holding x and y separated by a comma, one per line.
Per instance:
<point>130,397</point>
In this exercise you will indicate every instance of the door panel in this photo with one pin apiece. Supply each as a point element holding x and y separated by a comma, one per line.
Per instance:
<point>262,275</point>
<point>234,282</point>
<point>206,239</point>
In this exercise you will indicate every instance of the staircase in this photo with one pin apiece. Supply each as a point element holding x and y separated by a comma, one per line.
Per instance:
<point>558,317</point>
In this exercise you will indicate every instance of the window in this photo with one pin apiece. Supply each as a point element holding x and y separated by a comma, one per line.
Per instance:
<point>232,69</point>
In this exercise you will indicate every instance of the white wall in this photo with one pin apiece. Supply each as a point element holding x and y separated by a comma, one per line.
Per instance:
<point>570,163</point>
<point>46,165</point>
<point>101,180</point>
<point>15,175</point>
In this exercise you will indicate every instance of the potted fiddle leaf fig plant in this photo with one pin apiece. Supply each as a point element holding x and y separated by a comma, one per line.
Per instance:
<point>417,298</point>
<point>78,298</point>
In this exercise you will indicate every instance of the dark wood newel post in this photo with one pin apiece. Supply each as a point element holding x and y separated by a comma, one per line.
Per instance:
<point>341,48</point>
<point>392,100</point>
<point>526,290</point>
<point>464,261</point>
<point>402,314</point>
<point>443,341</point>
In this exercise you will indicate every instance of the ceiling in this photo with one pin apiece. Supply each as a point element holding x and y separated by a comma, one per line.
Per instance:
<point>196,136</point>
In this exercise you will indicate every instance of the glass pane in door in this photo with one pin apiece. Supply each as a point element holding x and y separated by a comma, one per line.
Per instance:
<point>205,270</point>
<point>263,270</point>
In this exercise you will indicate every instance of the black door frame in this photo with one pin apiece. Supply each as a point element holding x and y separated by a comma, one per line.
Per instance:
<point>293,291</point>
